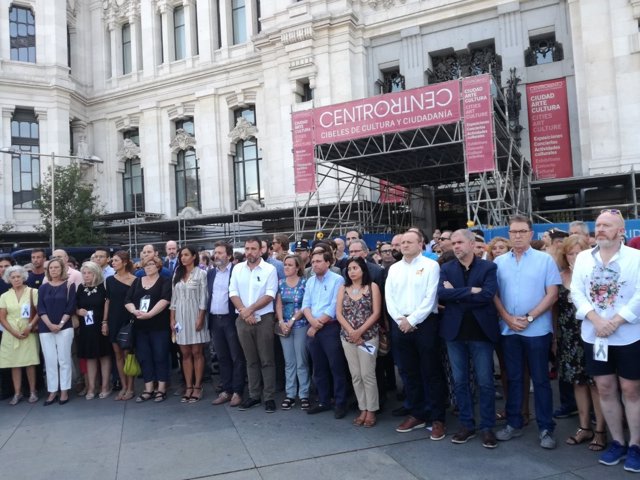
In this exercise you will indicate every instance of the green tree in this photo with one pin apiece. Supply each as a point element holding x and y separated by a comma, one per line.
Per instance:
<point>76,208</point>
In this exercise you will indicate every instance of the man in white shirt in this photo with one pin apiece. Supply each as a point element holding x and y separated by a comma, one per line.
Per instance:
<point>605,290</point>
<point>411,288</point>
<point>253,288</point>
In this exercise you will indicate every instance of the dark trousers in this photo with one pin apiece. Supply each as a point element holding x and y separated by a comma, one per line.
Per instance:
<point>329,362</point>
<point>420,353</point>
<point>152,351</point>
<point>231,360</point>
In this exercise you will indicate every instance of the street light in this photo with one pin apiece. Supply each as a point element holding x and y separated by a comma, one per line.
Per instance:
<point>87,159</point>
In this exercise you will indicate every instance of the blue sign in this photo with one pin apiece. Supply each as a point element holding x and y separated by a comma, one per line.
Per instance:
<point>632,229</point>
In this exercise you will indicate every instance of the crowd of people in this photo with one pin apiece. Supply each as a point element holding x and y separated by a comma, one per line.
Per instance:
<point>442,313</point>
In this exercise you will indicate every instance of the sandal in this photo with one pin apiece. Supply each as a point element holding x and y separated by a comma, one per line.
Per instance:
<point>160,396</point>
<point>287,403</point>
<point>119,396</point>
<point>144,396</point>
<point>33,398</point>
<point>128,396</point>
<point>370,421</point>
<point>196,398</point>
<point>16,399</point>
<point>305,404</point>
<point>359,420</point>
<point>187,396</point>
<point>582,435</point>
<point>599,441</point>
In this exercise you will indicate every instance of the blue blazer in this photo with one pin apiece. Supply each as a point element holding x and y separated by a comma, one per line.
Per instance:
<point>458,300</point>
<point>211,276</point>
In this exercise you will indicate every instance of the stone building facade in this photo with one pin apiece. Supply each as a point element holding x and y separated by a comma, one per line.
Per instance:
<point>188,102</point>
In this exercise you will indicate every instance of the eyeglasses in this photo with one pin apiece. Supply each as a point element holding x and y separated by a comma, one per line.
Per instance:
<point>386,251</point>
<point>445,238</point>
<point>612,211</point>
<point>518,232</point>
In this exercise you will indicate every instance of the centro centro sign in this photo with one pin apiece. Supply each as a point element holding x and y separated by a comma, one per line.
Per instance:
<point>382,109</point>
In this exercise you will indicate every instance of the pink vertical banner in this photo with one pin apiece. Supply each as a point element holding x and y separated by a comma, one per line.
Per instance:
<point>477,112</point>
<point>549,134</point>
<point>304,167</point>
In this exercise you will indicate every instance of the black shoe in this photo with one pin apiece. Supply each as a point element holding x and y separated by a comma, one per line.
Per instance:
<point>319,408</point>
<point>248,403</point>
<point>50,402</point>
<point>400,412</point>
<point>340,412</point>
<point>269,406</point>
<point>62,402</point>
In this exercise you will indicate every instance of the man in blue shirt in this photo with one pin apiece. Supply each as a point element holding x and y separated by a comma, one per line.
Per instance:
<point>527,289</point>
<point>319,306</point>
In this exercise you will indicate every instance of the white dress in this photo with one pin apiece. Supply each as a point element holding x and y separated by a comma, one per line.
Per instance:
<point>187,300</point>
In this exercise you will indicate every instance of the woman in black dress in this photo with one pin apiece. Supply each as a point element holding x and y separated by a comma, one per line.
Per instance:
<point>147,300</point>
<point>117,287</point>
<point>93,343</point>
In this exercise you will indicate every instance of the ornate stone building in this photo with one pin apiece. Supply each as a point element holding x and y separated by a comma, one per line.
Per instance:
<point>188,102</point>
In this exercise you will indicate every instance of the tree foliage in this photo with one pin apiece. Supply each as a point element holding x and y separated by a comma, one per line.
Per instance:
<point>76,207</point>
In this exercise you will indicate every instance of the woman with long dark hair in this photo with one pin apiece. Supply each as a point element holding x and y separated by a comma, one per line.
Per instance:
<point>117,287</point>
<point>358,310</point>
<point>188,314</point>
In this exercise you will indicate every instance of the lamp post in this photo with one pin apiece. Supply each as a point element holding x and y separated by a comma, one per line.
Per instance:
<point>92,160</point>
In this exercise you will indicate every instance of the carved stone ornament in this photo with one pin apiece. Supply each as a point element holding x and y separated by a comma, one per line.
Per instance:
<point>119,11</point>
<point>249,205</point>
<point>242,130</point>
<point>381,3</point>
<point>129,150</point>
<point>182,141</point>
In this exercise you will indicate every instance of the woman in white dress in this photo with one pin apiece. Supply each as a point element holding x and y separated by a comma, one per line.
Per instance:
<point>188,320</point>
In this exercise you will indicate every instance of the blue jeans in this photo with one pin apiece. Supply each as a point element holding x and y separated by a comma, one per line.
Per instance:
<point>296,362</point>
<point>329,363</point>
<point>233,367</point>
<point>536,350</point>
<point>481,354</point>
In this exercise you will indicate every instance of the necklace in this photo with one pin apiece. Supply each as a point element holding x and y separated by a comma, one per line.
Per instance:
<point>90,291</point>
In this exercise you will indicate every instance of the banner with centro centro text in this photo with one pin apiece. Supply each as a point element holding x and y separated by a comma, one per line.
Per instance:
<point>549,134</point>
<point>392,112</point>
<point>477,111</point>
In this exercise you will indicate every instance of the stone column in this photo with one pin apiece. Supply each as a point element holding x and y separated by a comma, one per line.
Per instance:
<point>135,43</point>
<point>250,18</point>
<point>208,34</point>
<point>224,14</point>
<point>115,34</point>
<point>411,57</point>
<point>166,13</point>
<point>190,34</point>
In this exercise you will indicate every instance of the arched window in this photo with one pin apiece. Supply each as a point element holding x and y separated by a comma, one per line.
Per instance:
<point>22,34</point>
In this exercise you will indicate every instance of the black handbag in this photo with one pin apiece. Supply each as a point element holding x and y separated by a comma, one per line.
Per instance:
<point>125,336</point>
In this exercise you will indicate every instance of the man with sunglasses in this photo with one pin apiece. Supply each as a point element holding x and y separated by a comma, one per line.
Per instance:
<point>528,283</point>
<point>604,289</point>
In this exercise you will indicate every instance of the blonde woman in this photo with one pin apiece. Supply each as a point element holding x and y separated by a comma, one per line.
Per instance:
<point>19,347</point>
<point>56,304</point>
<point>93,340</point>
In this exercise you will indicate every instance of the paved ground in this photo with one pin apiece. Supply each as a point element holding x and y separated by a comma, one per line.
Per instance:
<point>103,439</point>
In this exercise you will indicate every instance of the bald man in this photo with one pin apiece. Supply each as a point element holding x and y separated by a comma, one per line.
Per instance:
<point>605,293</point>
<point>171,260</point>
<point>72,274</point>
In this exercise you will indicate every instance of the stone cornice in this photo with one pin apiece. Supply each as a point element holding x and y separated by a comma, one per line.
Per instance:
<point>182,141</point>
<point>119,12</point>
<point>242,130</point>
<point>297,35</point>
<point>128,151</point>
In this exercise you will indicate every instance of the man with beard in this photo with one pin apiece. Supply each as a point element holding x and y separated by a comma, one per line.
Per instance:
<point>253,288</point>
<point>604,289</point>
<point>36,275</point>
<point>222,325</point>
<point>470,327</point>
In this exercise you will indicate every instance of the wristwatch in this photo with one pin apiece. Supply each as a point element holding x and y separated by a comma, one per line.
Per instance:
<point>530,318</point>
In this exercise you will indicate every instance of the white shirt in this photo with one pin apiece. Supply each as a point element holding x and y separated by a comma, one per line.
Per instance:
<point>411,289</point>
<point>610,290</point>
<point>250,285</point>
<point>220,292</point>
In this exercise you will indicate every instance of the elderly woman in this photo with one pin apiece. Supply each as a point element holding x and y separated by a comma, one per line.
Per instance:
<point>293,330</point>
<point>56,304</point>
<point>93,340</point>
<point>147,300</point>
<point>188,309</point>
<point>19,347</point>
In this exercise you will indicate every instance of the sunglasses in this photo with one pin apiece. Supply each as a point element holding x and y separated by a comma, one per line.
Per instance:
<point>612,211</point>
